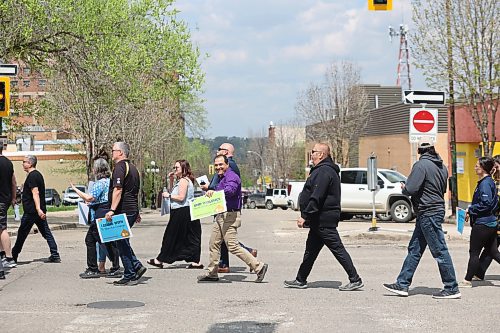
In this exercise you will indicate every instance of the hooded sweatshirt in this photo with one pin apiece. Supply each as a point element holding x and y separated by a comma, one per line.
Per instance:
<point>426,185</point>
<point>320,199</point>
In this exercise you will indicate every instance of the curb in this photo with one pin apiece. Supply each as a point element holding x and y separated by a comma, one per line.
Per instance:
<point>64,226</point>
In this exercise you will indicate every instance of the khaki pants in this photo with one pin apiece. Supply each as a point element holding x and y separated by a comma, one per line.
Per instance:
<point>225,228</point>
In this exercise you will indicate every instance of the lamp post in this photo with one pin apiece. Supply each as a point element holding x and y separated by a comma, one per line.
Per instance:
<point>263,180</point>
<point>153,169</point>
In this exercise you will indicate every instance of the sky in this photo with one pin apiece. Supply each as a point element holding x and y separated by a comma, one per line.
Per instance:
<point>262,54</point>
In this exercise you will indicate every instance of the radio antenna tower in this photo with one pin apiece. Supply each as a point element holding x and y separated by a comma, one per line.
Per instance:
<point>404,78</point>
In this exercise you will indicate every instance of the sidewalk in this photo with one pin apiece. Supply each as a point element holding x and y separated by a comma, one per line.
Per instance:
<point>63,220</point>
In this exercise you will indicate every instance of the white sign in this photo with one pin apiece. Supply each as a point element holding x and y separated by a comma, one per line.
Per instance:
<point>423,124</point>
<point>8,69</point>
<point>460,165</point>
<point>423,97</point>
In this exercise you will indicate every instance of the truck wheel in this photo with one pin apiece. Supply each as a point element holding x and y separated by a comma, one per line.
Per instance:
<point>269,204</point>
<point>252,205</point>
<point>401,211</point>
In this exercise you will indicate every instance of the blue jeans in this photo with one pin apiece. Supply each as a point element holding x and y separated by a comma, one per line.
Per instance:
<point>101,252</point>
<point>130,262</point>
<point>428,232</point>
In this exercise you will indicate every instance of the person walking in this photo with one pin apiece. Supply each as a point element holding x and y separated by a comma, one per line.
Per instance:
<point>485,259</point>
<point>225,227</point>
<point>182,237</point>
<point>320,210</point>
<point>482,216</point>
<point>426,185</point>
<point>226,149</point>
<point>123,194</point>
<point>98,203</point>
<point>35,211</point>
<point>8,188</point>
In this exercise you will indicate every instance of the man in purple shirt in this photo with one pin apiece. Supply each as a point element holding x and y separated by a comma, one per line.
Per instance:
<point>226,224</point>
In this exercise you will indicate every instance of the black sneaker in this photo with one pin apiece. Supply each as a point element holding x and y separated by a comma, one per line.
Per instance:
<point>53,259</point>
<point>208,278</point>
<point>261,274</point>
<point>397,289</point>
<point>140,272</point>
<point>295,284</point>
<point>352,286</point>
<point>88,274</point>
<point>447,294</point>
<point>2,275</point>
<point>114,273</point>
<point>125,282</point>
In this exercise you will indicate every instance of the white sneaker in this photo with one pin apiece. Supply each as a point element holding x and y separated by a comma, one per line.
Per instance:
<point>9,263</point>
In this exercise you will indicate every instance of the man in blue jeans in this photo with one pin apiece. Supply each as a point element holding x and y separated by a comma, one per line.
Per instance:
<point>123,194</point>
<point>426,185</point>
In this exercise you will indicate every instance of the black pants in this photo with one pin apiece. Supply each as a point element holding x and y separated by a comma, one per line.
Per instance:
<point>90,240</point>
<point>27,222</point>
<point>481,237</point>
<point>330,237</point>
<point>485,261</point>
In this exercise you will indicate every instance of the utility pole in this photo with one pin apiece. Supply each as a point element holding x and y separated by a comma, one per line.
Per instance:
<point>451,87</point>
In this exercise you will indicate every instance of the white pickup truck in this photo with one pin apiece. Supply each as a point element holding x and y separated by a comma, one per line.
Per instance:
<point>356,199</point>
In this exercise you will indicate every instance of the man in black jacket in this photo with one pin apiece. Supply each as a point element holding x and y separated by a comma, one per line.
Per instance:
<point>320,210</point>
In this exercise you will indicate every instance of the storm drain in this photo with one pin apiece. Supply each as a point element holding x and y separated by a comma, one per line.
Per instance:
<point>115,305</point>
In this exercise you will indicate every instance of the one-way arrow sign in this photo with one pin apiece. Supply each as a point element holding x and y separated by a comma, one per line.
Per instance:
<point>8,69</point>
<point>423,97</point>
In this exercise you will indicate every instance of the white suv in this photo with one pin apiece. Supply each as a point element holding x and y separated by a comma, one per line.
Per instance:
<point>277,197</point>
<point>390,202</point>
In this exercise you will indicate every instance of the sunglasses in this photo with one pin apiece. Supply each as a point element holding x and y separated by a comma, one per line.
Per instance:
<point>219,149</point>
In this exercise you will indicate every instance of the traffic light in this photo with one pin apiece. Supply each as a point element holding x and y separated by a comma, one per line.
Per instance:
<point>4,96</point>
<point>379,4</point>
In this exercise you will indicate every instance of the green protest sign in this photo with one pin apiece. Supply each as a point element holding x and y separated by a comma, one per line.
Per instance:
<point>204,206</point>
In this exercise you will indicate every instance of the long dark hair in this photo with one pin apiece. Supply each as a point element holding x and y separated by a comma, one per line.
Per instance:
<point>186,169</point>
<point>486,163</point>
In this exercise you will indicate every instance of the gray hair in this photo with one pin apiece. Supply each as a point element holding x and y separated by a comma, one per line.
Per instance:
<point>32,160</point>
<point>124,147</point>
<point>101,169</point>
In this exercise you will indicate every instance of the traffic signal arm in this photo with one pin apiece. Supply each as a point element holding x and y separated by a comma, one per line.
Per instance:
<point>379,4</point>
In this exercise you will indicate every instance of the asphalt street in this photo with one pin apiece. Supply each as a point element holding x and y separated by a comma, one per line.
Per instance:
<point>40,297</point>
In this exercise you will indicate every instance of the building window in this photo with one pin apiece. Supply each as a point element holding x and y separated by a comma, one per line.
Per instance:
<point>27,70</point>
<point>13,83</point>
<point>42,83</point>
<point>26,83</point>
<point>27,97</point>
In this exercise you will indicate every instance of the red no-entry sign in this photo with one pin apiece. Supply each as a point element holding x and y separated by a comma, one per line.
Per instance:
<point>423,124</point>
<point>423,121</point>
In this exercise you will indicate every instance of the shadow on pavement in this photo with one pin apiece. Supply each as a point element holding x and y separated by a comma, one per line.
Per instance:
<point>424,291</point>
<point>243,327</point>
<point>234,277</point>
<point>324,284</point>
<point>492,277</point>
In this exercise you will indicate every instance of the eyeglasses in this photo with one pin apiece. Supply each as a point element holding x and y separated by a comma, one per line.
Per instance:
<point>175,168</point>
<point>219,149</point>
<point>113,150</point>
<point>315,151</point>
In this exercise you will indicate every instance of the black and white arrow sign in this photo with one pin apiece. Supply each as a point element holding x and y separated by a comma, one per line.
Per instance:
<point>8,69</point>
<point>423,97</point>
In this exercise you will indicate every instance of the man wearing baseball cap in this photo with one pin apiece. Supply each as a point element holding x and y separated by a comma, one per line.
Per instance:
<point>426,185</point>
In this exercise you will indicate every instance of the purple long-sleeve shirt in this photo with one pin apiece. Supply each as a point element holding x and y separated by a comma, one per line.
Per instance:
<point>230,183</point>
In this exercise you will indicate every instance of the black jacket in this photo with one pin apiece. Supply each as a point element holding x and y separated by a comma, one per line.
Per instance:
<point>320,199</point>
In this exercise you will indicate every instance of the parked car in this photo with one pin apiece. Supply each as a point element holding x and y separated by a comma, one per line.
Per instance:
<point>70,197</point>
<point>277,197</point>
<point>256,200</point>
<point>52,197</point>
<point>389,200</point>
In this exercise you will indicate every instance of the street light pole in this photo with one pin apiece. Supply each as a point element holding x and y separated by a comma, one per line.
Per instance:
<point>263,180</point>
<point>154,169</point>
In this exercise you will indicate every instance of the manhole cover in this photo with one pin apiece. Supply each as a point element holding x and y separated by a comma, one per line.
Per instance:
<point>115,305</point>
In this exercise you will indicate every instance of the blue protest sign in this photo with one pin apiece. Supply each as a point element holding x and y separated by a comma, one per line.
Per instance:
<point>116,229</point>
<point>460,220</point>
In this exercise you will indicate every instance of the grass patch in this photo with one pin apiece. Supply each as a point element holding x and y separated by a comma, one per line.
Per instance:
<point>49,209</point>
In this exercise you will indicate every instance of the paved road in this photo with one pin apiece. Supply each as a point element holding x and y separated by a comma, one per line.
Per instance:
<point>38,297</point>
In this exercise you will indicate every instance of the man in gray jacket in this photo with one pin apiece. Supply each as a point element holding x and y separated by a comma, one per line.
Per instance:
<point>426,185</point>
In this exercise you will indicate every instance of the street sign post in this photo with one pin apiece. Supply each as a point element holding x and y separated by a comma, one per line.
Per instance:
<point>423,97</point>
<point>423,124</point>
<point>8,69</point>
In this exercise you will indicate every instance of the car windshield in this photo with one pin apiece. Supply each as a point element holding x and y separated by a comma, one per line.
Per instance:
<point>393,176</point>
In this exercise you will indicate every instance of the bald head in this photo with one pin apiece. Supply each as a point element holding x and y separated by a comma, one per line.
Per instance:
<point>320,152</point>
<point>226,149</point>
